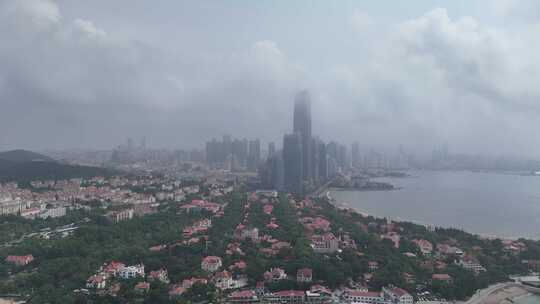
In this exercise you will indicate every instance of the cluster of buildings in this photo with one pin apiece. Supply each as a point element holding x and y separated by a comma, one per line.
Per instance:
<point>106,279</point>
<point>49,198</point>
<point>29,206</point>
<point>234,154</point>
<point>306,161</point>
<point>318,294</point>
<point>20,260</point>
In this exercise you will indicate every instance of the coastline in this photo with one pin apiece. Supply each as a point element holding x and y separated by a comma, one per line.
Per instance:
<point>347,205</point>
<point>500,293</point>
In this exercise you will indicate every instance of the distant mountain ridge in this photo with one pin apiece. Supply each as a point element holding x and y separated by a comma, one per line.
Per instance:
<point>23,165</point>
<point>20,156</point>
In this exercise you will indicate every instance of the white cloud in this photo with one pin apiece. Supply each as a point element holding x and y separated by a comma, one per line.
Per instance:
<point>361,21</point>
<point>452,80</point>
<point>421,82</point>
<point>89,28</point>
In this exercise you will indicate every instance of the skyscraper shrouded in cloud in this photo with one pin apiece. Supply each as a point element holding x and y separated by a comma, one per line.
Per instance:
<point>302,126</point>
<point>303,162</point>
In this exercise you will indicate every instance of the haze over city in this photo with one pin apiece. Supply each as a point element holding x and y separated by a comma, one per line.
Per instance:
<point>269,152</point>
<point>89,74</point>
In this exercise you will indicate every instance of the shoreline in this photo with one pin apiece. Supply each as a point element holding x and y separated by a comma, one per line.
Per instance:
<point>500,293</point>
<point>347,205</point>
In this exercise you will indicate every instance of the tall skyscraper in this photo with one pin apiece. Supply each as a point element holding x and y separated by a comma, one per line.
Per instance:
<point>271,149</point>
<point>292,163</point>
<point>342,158</point>
<point>254,154</point>
<point>355,155</point>
<point>302,126</point>
<point>323,161</point>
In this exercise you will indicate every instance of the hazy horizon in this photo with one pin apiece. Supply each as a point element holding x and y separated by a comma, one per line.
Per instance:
<point>89,74</point>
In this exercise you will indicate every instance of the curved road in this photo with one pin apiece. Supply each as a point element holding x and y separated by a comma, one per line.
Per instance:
<point>481,296</point>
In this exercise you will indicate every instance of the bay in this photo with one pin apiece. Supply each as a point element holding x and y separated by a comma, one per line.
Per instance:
<point>492,204</point>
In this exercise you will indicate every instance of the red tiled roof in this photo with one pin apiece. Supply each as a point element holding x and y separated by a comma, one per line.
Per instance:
<point>358,293</point>
<point>243,294</point>
<point>399,291</point>
<point>441,276</point>
<point>289,293</point>
<point>306,272</point>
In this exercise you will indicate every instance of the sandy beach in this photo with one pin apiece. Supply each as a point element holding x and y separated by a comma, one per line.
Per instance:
<point>5,301</point>
<point>502,293</point>
<point>505,295</point>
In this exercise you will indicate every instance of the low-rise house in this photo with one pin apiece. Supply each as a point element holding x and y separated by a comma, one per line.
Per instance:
<point>20,260</point>
<point>52,212</point>
<point>318,294</point>
<point>142,287</point>
<point>395,295</point>
<point>425,246</point>
<point>393,237</point>
<point>471,264</point>
<point>118,216</point>
<point>223,280</point>
<point>440,265</point>
<point>268,208</point>
<point>286,296</point>
<point>317,223</point>
<point>304,275</point>
<point>240,265</point>
<point>113,268</point>
<point>272,225</point>
<point>187,283</point>
<point>176,291</point>
<point>98,281</point>
<point>131,272</point>
<point>533,265</point>
<point>159,275</point>
<point>441,277</point>
<point>346,241</point>
<point>114,289</point>
<point>277,246</point>
<point>244,233</point>
<point>211,263</point>
<point>409,278</point>
<point>275,274</point>
<point>157,248</point>
<point>30,213</point>
<point>446,249</point>
<point>326,243</point>
<point>369,297</point>
<point>373,265</point>
<point>245,296</point>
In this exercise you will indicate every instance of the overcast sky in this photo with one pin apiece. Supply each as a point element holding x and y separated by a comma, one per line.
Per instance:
<point>89,74</point>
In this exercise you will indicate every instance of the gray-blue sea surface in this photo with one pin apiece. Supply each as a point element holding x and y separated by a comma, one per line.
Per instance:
<point>494,204</point>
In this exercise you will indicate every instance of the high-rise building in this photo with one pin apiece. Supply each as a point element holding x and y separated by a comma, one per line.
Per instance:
<point>302,126</point>
<point>221,153</point>
<point>271,172</point>
<point>343,158</point>
<point>278,171</point>
<point>240,150</point>
<point>143,143</point>
<point>130,145</point>
<point>321,162</point>
<point>271,149</point>
<point>254,154</point>
<point>292,162</point>
<point>355,155</point>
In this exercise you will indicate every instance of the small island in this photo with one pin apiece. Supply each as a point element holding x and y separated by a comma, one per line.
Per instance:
<point>359,183</point>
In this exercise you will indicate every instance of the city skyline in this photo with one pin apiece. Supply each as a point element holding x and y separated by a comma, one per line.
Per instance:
<point>415,75</point>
